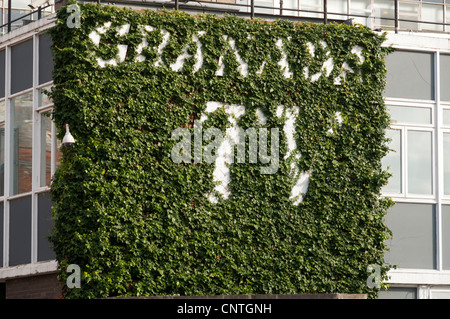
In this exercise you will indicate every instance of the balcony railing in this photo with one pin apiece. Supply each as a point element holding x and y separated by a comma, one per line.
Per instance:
<point>23,19</point>
<point>397,15</point>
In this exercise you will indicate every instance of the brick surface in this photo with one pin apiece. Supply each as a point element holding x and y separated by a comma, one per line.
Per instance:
<point>34,287</point>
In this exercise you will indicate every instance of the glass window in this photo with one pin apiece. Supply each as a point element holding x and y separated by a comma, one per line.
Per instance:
<point>337,6</point>
<point>414,236</point>
<point>21,143</point>
<point>44,99</point>
<point>46,149</point>
<point>22,66</point>
<point>409,11</point>
<point>446,142</point>
<point>447,16</point>
<point>45,225</point>
<point>20,231</point>
<point>2,158</point>
<point>2,110</point>
<point>385,10</point>
<point>392,162</point>
<point>444,67</point>
<point>432,13</point>
<point>311,5</point>
<point>58,154</point>
<point>446,117</point>
<point>446,237</point>
<point>360,6</point>
<point>410,115</point>
<point>45,59</point>
<point>410,75</point>
<point>398,293</point>
<point>288,4</point>
<point>419,161</point>
<point>2,73</point>
<point>20,15</point>
<point>1,234</point>
<point>21,4</point>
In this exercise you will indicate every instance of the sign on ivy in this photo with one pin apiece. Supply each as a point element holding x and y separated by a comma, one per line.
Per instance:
<point>217,155</point>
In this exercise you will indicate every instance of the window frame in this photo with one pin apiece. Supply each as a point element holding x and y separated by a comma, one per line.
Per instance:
<point>37,112</point>
<point>404,127</point>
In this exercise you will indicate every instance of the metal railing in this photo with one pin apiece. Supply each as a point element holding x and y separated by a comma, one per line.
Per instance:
<point>253,9</point>
<point>256,9</point>
<point>8,26</point>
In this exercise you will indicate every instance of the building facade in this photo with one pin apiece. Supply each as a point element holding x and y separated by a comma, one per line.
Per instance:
<point>417,96</point>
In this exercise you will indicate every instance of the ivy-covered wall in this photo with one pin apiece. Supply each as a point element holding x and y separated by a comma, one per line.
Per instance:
<point>139,222</point>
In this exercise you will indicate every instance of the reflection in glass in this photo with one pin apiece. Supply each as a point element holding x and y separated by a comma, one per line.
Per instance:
<point>46,149</point>
<point>409,11</point>
<point>286,5</point>
<point>21,142</point>
<point>447,16</point>
<point>360,6</point>
<point>410,115</point>
<point>432,13</point>
<point>44,99</point>
<point>311,5</point>
<point>447,163</point>
<point>392,162</point>
<point>419,161</point>
<point>337,6</point>
<point>58,154</point>
<point>2,110</point>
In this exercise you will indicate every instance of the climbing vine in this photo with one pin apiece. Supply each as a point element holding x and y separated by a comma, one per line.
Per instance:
<point>139,223</point>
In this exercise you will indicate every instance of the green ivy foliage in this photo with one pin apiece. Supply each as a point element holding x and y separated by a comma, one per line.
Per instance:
<point>138,224</point>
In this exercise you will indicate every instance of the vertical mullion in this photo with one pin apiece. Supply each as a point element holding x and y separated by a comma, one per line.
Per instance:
<point>53,151</point>
<point>404,161</point>
<point>35,153</point>
<point>7,156</point>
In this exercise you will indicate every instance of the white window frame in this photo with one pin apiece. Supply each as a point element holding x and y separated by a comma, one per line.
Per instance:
<point>36,189</point>
<point>405,195</point>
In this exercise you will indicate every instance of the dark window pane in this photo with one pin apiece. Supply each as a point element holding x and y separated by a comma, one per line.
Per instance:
<point>410,75</point>
<point>20,231</point>
<point>1,235</point>
<point>445,76</point>
<point>2,159</point>
<point>446,237</point>
<point>45,59</point>
<point>45,225</point>
<point>2,73</point>
<point>413,243</point>
<point>21,66</point>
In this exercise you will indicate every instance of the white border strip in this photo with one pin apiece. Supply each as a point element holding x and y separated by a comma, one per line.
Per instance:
<point>418,277</point>
<point>28,269</point>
